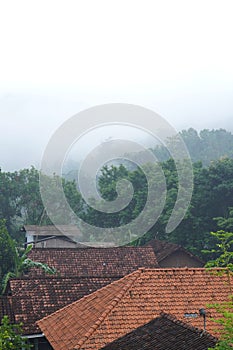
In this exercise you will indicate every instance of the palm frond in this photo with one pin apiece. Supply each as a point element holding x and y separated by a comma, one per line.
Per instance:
<point>6,279</point>
<point>28,263</point>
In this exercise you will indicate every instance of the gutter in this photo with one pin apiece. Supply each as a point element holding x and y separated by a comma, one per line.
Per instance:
<point>33,336</point>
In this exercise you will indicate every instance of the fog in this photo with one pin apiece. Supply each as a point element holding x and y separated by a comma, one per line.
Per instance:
<point>59,58</point>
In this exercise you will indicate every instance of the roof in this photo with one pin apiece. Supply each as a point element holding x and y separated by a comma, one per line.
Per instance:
<point>163,249</point>
<point>70,231</point>
<point>60,239</point>
<point>51,230</point>
<point>163,333</point>
<point>117,261</point>
<point>124,305</point>
<point>34,298</point>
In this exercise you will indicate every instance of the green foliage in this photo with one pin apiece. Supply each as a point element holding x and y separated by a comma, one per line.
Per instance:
<point>221,255</point>
<point>10,336</point>
<point>7,250</point>
<point>14,261</point>
<point>212,196</point>
<point>206,146</point>
<point>224,253</point>
<point>226,323</point>
<point>21,265</point>
<point>223,250</point>
<point>21,203</point>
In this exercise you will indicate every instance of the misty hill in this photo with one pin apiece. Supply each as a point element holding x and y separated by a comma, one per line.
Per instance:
<point>205,146</point>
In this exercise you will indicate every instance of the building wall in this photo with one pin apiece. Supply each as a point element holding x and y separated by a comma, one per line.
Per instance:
<point>180,259</point>
<point>55,243</point>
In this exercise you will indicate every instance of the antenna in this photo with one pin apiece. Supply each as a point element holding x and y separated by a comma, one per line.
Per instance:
<point>202,313</point>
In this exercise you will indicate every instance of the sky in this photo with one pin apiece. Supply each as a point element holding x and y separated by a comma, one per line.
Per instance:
<point>60,57</point>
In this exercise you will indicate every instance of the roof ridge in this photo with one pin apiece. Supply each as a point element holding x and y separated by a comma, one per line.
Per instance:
<point>93,294</point>
<point>133,276</point>
<point>182,268</point>
<point>175,248</point>
<point>89,247</point>
<point>56,277</point>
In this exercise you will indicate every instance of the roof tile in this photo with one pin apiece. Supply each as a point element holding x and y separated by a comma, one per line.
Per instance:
<point>117,261</point>
<point>34,298</point>
<point>117,309</point>
<point>162,333</point>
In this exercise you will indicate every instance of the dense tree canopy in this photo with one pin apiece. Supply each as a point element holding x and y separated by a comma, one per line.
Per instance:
<point>224,258</point>
<point>20,200</point>
<point>205,146</point>
<point>212,196</point>
<point>21,203</point>
<point>6,251</point>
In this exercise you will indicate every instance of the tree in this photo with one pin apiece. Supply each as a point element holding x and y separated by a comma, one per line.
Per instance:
<point>7,250</point>
<point>224,259</point>
<point>226,322</point>
<point>205,146</point>
<point>10,336</point>
<point>222,254</point>
<point>14,261</point>
<point>222,251</point>
<point>21,202</point>
<point>22,264</point>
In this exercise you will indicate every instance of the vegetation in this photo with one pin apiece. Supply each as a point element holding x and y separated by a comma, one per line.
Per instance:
<point>10,336</point>
<point>212,196</point>
<point>6,251</point>
<point>224,258</point>
<point>211,209</point>
<point>205,146</point>
<point>226,322</point>
<point>223,250</point>
<point>14,261</point>
<point>21,204</point>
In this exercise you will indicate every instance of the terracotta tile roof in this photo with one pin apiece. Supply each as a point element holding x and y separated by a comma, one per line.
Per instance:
<point>163,333</point>
<point>117,261</point>
<point>163,249</point>
<point>34,298</point>
<point>117,309</point>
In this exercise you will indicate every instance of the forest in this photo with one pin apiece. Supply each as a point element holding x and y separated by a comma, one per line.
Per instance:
<point>210,208</point>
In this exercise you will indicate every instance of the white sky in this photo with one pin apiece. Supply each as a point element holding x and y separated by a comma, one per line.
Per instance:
<point>59,57</point>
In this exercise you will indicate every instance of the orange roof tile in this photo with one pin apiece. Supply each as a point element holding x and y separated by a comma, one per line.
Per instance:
<point>124,305</point>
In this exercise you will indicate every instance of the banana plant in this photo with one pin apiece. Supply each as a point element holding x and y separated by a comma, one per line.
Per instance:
<point>22,264</point>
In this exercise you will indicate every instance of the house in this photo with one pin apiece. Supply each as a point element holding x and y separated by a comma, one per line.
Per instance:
<point>173,255</point>
<point>59,236</point>
<point>79,273</point>
<point>163,333</point>
<point>50,236</point>
<point>136,299</point>
<point>29,299</point>
<point>67,236</point>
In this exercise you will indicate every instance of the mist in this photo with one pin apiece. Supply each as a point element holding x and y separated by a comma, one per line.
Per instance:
<point>173,58</point>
